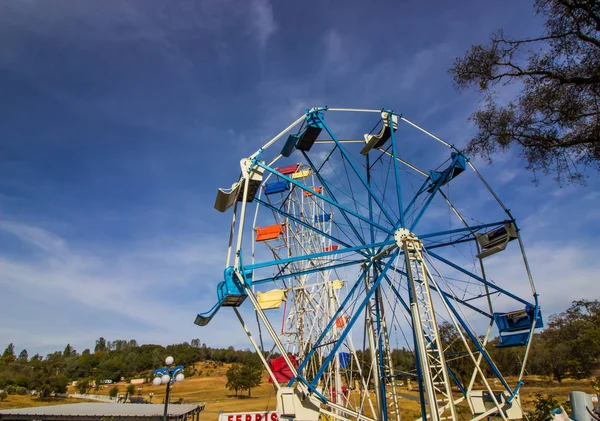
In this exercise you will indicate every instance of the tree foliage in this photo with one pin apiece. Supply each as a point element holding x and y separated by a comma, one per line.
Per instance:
<point>234,378</point>
<point>574,337</point>
<point>113,392</point>
<point>555,120</point>
<point>111,361</point>
<point>8,356</point>
<point>245,376</point>
<point>130,390</point>
<point>84,385</point>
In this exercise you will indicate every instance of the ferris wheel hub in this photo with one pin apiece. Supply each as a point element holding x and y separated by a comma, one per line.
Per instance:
<point>401,234</point>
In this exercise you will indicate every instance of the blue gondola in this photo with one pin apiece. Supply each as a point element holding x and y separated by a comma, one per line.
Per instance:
<point>344,359</point>
<point>313,129</point>
<point>441,178</point>
<point>323,218</point>
<point>514,327</point>
<point>230,293</point>
<point>279,187</point>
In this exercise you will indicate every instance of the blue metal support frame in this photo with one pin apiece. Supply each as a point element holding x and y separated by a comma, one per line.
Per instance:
<point>424,208</point>
<point>358,174</point>
<point>380,346</point>
<point>457,382</point>
<point>430,246</point>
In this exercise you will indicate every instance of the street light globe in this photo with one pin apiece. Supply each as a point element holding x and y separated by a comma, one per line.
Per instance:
<point>179,377</point>
<point>169,360</point>
<point>165,379</point>
<point>157,381</point>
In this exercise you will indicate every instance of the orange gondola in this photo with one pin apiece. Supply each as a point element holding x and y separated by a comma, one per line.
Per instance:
<point>341,321</point>
<point>272,232</point>
<point>318,189</point>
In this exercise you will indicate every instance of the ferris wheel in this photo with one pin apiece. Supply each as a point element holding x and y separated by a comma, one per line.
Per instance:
<point>356,233</point>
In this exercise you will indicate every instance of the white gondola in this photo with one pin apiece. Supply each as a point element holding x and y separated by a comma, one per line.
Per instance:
<point>376,141</point>
<point>496,240</point>
<point>227,197</point>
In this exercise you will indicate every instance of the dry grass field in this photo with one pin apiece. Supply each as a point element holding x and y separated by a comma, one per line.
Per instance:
<point>209,388</point>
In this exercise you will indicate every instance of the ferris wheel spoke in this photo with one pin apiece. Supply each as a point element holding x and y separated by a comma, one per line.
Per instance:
<point>358,174</point>
<point>356,314</point>
<point>446,294</point>
<point>290,274</point>
<point>330,192</point>
<point>458,319</point>
<point>480,279</point>
<point>329,326</point>
<point>315,255</point>
<point>324,198</point>
<point>303,223</point>
<point>397,177</point>
<point>435,245</point>
<point>470,229</point>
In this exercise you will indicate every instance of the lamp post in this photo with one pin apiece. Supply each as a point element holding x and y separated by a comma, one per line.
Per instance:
<point>168,375</point>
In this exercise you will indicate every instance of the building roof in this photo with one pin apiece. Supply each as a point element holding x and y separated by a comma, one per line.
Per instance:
<point>95,411</point>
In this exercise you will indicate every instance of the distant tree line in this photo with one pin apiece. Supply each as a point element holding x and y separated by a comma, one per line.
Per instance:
<point>569,346</point>
<point>108,361</point>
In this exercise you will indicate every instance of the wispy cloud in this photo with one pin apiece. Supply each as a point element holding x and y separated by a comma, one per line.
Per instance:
<point>263,21</point>
<point>151,289</point>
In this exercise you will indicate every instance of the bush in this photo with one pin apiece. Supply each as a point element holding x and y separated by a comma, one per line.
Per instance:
<point>3,395</point>
<point>130,389</point>
<point>113,392</point>
<point>21,390</point>
<point>11,389</point>
<point>543,407</point>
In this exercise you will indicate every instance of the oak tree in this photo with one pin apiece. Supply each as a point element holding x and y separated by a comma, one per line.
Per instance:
<point>554,120</point>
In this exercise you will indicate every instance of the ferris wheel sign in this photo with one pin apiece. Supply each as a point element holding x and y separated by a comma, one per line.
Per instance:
<point>249,416</point>
<point>357,235</point>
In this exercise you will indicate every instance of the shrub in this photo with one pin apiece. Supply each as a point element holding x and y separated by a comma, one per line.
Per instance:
<point>3,395</point>
<point>11,389</point>
<point>21,390</point>
<point>113,392</point>
<point>543,407</point>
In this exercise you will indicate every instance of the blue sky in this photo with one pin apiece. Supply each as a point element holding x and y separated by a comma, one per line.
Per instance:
<point>120,120</point>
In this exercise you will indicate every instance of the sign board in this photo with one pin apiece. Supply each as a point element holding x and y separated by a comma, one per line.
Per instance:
<point>249,416</point>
